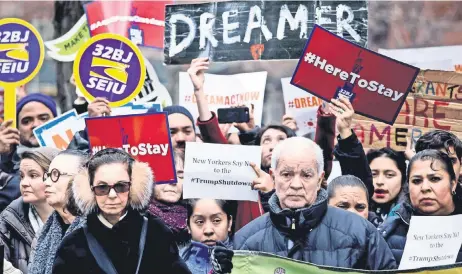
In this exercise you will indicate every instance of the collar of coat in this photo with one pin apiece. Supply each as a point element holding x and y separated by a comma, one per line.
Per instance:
<point>305,218</point>
<point>141,188</point>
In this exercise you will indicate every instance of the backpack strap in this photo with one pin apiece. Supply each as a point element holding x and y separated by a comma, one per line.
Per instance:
<point>98,253</point>
<point>144,232</point>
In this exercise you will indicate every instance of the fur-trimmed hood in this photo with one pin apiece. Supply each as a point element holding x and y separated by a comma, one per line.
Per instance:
<point>140,191</point>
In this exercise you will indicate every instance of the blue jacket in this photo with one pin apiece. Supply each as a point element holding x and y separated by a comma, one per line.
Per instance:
<point>319,234</point>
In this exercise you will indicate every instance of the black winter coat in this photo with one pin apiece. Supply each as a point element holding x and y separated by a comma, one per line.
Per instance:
<point>320,234</point>
<point>395,229</point>
<point>121,245</point>
<point>17,234</point>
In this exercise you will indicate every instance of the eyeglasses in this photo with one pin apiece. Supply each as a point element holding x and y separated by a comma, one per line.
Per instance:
<point>54,175</point>
<point>103,190</point>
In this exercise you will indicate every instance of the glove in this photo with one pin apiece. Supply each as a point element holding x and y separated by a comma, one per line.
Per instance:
<point>222,259</point>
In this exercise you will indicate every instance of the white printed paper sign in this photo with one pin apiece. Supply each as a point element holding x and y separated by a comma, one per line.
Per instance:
<point>216,171</point>
<point>432,241</point>
<point>301,105</point>
<point>225,91</point>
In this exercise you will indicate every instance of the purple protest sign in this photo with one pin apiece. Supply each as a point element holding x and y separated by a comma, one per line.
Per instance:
<point>110,66</point>
<point>21,52</point>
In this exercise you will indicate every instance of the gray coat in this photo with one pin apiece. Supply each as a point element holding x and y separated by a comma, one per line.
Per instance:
<point>17,233</point>
<point>319,234</point>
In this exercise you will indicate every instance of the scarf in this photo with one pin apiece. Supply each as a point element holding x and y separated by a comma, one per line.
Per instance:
<point>174,215</point>
<point>35,220</point>
<point>43,256</point>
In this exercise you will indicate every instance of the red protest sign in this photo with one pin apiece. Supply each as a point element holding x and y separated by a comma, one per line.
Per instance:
<point>331,66</point>
<point>146,137</point>
<point>142,22</point>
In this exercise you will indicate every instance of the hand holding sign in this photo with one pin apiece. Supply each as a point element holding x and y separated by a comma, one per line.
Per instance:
<point>196,72</point>
<point>343,110</point>
<point>99,107</point>
<point>8,136</point>
<point>263,182</point>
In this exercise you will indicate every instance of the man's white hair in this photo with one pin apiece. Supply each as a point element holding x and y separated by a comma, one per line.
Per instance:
<point>301,143</point>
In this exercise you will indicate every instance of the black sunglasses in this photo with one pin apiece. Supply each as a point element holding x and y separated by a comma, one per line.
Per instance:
<point>54,175</point>
<point>103,190</point>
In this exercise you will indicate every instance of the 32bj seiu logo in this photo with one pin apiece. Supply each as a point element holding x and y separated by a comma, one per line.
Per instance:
<point>14,57</point>
<point>109,69</point>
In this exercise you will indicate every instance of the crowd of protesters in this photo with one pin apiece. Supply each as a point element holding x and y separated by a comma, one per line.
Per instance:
<point>72,212</point>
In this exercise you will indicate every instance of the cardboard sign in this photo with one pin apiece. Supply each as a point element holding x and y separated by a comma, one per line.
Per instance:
<point>435,102</point>
<point>302,106</point>
<point>218,171</point>
<point>21,57</point>
<point>447,58</point>
<point>140,21</point>
<point>65,48</point>
<point>225,91</point>
<point>432,245</point>
<point>256,30</point>
<point>146,137</point>
<point>110,66</point>
<point>331,67</point>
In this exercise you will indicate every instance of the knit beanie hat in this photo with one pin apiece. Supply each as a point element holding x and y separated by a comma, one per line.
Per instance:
<point>177,109</point>
<point>48,153</point>
<point>37,97</point>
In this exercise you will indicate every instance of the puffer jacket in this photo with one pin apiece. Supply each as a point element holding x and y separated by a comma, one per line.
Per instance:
<point>394,230</point>
<point>17,234</point>
<point>319,234</point>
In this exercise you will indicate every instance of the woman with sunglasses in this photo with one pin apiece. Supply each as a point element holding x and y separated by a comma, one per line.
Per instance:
<point>114,192</point>
<point>24,217</point>
<point>63,221</point>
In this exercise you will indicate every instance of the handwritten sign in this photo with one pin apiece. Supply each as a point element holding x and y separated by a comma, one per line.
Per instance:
<point>432,245</point>
<point>256,30</point>
<point>435,102</point>
<point>302,106</point>
<point>376,85</point>
<point>110,66</point>
<point>21,57</point>
<point>65,48</point>
<point>144,136</point>
<point>220,172</point>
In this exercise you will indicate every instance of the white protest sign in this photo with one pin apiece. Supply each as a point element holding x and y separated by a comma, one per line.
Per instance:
<point>432,241</point>
<point>225,91</point>
<point>447,58</point>
<point>58,133</point>
<point>301,105</point>
<point>153,90</point>
<point>218,171</point>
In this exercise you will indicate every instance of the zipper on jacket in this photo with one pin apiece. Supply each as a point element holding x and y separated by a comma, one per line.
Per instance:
<point>293,223</point>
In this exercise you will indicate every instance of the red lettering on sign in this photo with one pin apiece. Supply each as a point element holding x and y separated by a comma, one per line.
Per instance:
<point>440,115</point>
<point>420,112</point>
<point>386,131</point>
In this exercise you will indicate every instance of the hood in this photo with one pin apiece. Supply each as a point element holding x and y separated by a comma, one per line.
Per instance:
<point>140,191</point>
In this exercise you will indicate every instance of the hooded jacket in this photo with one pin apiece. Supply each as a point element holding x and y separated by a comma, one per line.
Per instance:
<point>319,234</point>
<point>120,242</point>
<point>17,234</point>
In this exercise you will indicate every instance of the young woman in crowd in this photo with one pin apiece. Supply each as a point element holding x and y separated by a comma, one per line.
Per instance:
<point>168,205</point>
<point>60,175</point>
<point>209,223</point>
<point>349,192</point>
<point>432,184</point>
<point>21,221</point>
<point>389,178</point>
<point>113,191</point>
